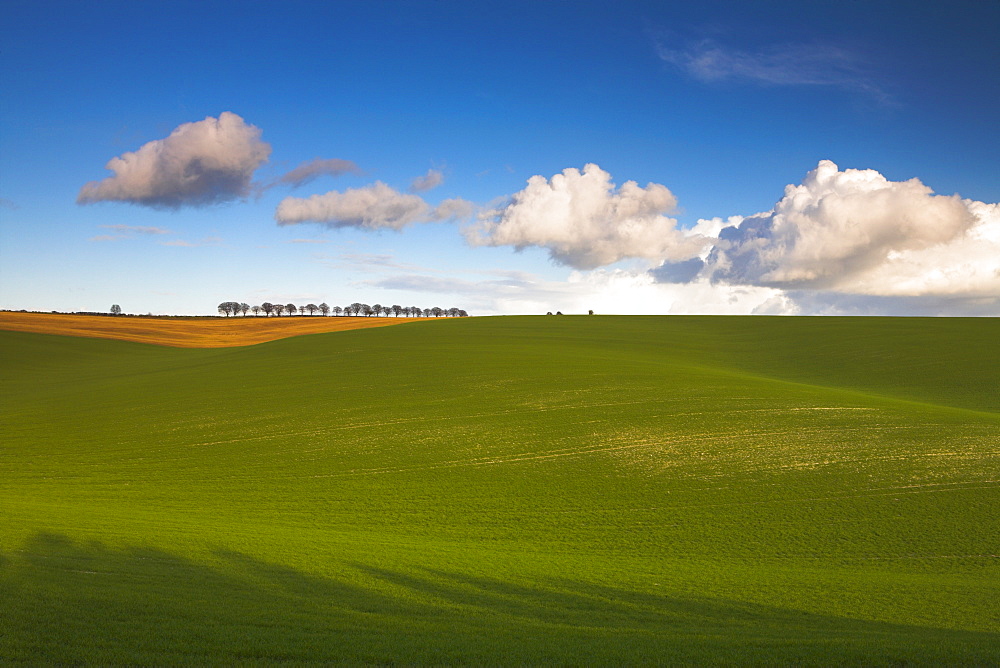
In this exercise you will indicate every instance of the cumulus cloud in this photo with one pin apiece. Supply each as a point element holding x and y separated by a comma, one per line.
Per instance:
<point>786,64</point>
<point>312,170</point>
<point>855,232</point>
<point>432,179</point>
<point>585,221</point>
<point>200,163</point>
<point>373,207</point>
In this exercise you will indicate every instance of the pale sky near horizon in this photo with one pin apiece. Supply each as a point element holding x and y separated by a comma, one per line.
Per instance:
<point>504,157</point>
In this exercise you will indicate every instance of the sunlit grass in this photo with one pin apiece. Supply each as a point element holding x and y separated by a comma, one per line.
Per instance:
<point>507,491</point>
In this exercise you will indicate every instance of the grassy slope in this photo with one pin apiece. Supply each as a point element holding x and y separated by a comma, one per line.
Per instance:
<point>508,490</point>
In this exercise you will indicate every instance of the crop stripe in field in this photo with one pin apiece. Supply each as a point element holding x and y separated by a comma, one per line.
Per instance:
<point>560,452</point>
<point>512,411</point>
<point>578,451</point>
<point>714,437</point>
<point>382,423</point>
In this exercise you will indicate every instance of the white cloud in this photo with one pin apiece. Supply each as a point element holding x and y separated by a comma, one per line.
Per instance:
<point>585,222</point>
<point>372,207</point>
<point>310,171</point>
<point>605,291</point>
<point>624,292</point>
<point>200,163</point>
<point>845,242</point>
<point>855,232</point>
<point>432,179</point>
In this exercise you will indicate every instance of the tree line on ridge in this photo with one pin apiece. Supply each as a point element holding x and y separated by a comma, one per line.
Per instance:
<point>355,309</point>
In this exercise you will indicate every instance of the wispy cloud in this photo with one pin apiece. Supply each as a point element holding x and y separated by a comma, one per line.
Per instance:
<point>137,229</point>
<point>308,241</point>
<point>312,170</point>
<point>369,262</point>
<point>127,232</point>
<point>432,179</point>
<point>788,64</point>
<point>206,241</point>
<point>440,284</point>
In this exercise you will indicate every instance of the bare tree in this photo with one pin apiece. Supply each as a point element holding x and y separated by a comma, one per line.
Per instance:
<point>437,311</point>
<point>377,310</point>
<point>116,309</point>
<point>396,310</point>
<point>290,308</point>
<point>302,310</point>
<point>244,307</point>
<point>256,310</point>
<point>267,308</point>
<point>337,310</point>
<point>387,310</point>
<point>356,307</point>
<point>324,308</point>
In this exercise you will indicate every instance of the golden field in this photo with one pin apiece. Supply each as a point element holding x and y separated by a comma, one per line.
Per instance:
<point>206,332</point>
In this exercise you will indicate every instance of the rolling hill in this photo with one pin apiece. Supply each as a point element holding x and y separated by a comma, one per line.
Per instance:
<point>510,490</point>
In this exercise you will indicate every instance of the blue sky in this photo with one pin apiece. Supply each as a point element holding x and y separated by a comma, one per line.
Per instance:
<point>712,109</point>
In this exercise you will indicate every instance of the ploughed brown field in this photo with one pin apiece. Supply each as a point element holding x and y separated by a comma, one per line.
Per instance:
<point>188,332</point>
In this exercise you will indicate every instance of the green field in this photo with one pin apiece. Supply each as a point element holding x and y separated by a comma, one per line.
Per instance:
<point>510,490</point>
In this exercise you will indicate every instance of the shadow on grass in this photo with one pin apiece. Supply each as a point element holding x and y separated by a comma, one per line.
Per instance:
<point>68,602</point>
